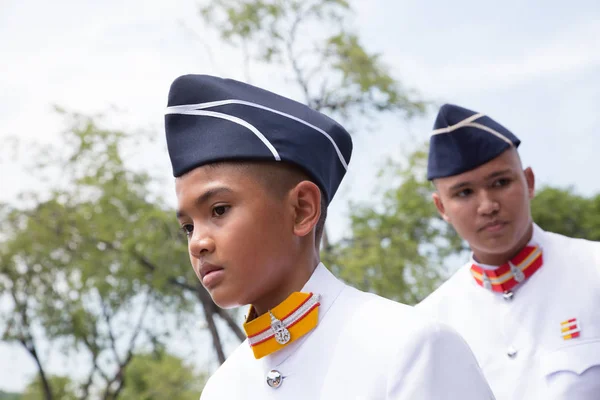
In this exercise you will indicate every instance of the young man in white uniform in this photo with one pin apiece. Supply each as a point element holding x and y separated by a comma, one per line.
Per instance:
<point>528,301</point>
<point>254,175</point>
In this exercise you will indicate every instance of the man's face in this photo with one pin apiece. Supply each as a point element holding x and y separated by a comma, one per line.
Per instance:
<point>239,234</point>
<point>489,206</point>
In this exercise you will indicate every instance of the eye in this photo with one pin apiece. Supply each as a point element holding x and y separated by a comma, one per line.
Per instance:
<point>464,193</point>
<point>219,211</point>
<point>188,229</point>
<point>501,182</point>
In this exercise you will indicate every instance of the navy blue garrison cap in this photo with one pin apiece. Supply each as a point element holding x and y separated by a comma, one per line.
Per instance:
<point>463,140</point>
<point>210,119</point>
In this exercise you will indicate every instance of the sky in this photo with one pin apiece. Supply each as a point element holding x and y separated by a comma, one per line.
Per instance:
<point>533,66</point>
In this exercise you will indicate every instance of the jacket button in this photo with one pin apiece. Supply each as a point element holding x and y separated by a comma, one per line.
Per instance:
<point>511,352</point>
<point>274,379</point>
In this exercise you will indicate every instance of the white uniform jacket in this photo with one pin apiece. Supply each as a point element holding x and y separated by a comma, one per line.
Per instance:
<point>522,344</point>
<point>364,347</point>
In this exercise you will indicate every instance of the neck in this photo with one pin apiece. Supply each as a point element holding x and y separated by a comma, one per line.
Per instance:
<point>504,257</point>
<point>294,282</point>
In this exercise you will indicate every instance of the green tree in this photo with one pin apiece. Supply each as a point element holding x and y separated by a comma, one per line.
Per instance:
<point>317,53</point>
<point>62,388</point>
<point>93,265</point>
<point>9,396</point>
<point>397,248</point>
<point>161,376</point>
<point>563,211</point>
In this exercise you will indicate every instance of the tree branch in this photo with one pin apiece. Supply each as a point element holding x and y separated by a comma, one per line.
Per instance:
<point>111,336</point>
<point>119,378</point>
<point>326,243</point>
<point>235,328</point>
<point>172,280</point>
<point>27,341</point>
<point>289,45</point>
<point>95,367</point>
<point>93,349</point>
<point>209,310</point>
<point>204,299</point>
<point>209,307</point>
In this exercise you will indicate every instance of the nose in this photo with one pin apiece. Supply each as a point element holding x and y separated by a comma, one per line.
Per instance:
<point>201,243</point>
<point>488,205</point>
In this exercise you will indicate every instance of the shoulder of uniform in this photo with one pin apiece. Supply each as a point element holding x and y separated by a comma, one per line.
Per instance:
<point>448,289</point>
<point>231,368</point>
<point>372,307</point>
<point>432,338</point>
<point>389,317</point>
<point>405,334</point>
<point>567,243</point>
<point>433,330</point>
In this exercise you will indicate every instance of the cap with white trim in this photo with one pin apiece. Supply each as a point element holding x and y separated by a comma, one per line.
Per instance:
<point>210,119</point>
<point>463,140</point>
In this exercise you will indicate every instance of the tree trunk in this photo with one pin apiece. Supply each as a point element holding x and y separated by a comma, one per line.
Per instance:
<point>43,378</point>
<point>27,341</point>
<point>210,309</point>
<point>232,325</point>
<point>325,244</point>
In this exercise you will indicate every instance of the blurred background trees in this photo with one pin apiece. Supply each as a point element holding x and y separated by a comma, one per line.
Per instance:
<point>97,266</point>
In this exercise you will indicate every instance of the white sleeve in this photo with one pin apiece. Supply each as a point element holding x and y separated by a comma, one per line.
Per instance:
<point>438,366</point>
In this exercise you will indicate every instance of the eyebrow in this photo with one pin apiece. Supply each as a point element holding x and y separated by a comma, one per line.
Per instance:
<point>206,196</point>
<point>487,178</point>
<point>497,174</point>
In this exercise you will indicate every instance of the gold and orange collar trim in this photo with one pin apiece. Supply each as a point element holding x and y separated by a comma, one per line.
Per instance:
<point>293,318</point>
<point>507,276</point>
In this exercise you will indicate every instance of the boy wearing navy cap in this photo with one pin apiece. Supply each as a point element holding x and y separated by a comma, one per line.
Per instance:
<point>254,175</point>
<point>527,301</point>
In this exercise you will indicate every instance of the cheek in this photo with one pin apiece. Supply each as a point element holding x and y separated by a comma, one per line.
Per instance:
<point>194,262</point>
<point>461,212</point>
<point>248,239</point>
<point>463,217</point>
<point>263,251</point>
<point>518,200</point>
<point>254,240</point>
<point>265,242</point>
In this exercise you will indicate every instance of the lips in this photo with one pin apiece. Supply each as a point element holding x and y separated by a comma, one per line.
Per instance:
<point>207,268</point>
<point>493,225</point>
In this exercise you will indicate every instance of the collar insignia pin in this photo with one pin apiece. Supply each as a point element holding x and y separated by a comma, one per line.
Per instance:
<point>517,273</point>
<point>282,335</point>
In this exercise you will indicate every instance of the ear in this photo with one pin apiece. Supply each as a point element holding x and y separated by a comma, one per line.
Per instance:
<point>306,201</point>
<point>530,178</point>
<point>437,200</point>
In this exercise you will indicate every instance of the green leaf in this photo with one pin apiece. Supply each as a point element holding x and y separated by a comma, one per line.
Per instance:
<point>397,248</point>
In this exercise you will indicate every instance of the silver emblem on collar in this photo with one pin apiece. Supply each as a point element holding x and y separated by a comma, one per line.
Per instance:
<point>487,283</point>
<point>517,273</point>
<point>282,335</point>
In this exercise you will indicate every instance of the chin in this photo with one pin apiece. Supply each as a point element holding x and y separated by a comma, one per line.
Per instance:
<point>225,299</point>
<point>498,246</point>
<point>492,244</point>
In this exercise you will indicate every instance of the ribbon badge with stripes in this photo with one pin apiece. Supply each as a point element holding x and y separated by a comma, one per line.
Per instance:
<point>570,329</point>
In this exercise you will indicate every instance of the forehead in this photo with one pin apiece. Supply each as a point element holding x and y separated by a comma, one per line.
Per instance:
<point>508,161</point>
<point>230,175</point>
